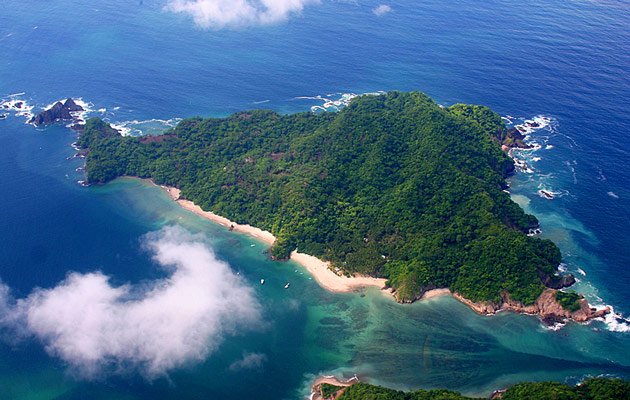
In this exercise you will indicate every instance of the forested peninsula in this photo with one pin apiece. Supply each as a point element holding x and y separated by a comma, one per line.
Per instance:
<point>392,186</point>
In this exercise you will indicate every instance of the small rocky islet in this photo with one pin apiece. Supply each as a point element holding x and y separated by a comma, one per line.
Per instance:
<point>60,111</point>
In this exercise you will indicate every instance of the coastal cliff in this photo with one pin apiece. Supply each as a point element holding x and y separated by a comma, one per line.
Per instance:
<point>547,307</point>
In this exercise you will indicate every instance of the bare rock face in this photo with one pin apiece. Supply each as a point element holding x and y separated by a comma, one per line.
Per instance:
<point>513,139</point>
<point>70,105</point>
<point>58,112</point>
<point>546,307</point>
<point>558,282</point>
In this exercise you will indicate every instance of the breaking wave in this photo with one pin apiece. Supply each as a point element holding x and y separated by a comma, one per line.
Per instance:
<point>334,101</point>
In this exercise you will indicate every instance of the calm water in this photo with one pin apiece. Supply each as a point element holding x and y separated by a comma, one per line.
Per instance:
<point>140,66</point>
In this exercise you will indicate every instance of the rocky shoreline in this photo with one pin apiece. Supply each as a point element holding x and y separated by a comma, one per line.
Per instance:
<point>546,307</point>
<point>319,392</point>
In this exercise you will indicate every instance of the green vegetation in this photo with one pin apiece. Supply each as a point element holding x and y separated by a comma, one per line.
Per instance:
<point>569,300</point>
<point>604,389</point>
<point>328,390</point>
<point>541,390</point>
<point>491,123</point>
<point>591,389</point>
<point>363,391</point>
<point>392,186</point>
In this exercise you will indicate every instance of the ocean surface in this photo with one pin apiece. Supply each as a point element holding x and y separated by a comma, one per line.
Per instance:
<point>142,67</point>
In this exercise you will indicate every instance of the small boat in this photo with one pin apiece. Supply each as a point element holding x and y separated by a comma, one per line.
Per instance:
<point>287,285</point>
<point>262,281</point>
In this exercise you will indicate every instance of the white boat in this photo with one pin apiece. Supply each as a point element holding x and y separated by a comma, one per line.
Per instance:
<point>287,285</point>
<point>262,281</point>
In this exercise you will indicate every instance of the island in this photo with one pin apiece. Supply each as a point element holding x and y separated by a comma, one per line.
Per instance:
<point>393,187</point>
<point>330,388</point>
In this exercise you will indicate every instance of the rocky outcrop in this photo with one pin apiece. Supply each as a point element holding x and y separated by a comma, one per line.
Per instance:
<point>58,112</point>
<point>71,106</point>
<point>78,127</point>
<point>546,307</point>
<point>557,281</point>
<point>513,138</point>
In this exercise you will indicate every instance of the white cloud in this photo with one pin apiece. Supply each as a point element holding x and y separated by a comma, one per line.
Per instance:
<point>219,14</point>
<point>164,324</point>
<point>249,361</point>
<point>381,10</point>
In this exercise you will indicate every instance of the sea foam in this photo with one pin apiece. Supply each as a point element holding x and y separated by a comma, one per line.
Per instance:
<point>154,126</point>
<point>335,101</point>
<point>615,322</point>
<point>16,104</point>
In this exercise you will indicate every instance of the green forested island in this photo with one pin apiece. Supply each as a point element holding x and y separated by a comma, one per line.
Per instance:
<point>591,389</point>
<point>392,186</point>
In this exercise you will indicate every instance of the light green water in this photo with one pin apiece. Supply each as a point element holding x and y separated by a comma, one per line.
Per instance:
<point>306,332</point>
<point>434,343</point>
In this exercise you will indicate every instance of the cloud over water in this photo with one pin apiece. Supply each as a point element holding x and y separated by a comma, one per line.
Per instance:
<point>219,14</point>
<point>96,327</point>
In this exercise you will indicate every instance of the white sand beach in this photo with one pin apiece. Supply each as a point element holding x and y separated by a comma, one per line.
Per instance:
<point>319,269</point>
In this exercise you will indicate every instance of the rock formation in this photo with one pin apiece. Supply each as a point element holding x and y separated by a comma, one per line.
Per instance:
<point>558,282</point>
<point>58,112</point>
<point>546,307</point>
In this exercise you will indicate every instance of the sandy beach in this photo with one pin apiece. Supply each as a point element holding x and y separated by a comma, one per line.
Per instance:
<point>331,281</point>
<point>319,269</point>
<point>259,234</point>
<point>429,294</point>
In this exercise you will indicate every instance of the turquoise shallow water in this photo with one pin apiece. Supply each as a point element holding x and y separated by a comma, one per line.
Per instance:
<point>567,60</point>
<point>310,331</point>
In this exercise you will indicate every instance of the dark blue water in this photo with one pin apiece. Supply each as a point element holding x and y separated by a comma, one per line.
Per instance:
<point>134,62</point>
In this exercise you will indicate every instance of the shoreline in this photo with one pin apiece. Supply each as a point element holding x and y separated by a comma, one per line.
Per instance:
<point>316,386</point>
<point>319,269</point>
<point>546,308</point>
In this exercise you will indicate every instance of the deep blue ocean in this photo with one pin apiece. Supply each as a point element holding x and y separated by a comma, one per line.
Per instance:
<point>141,67</point>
